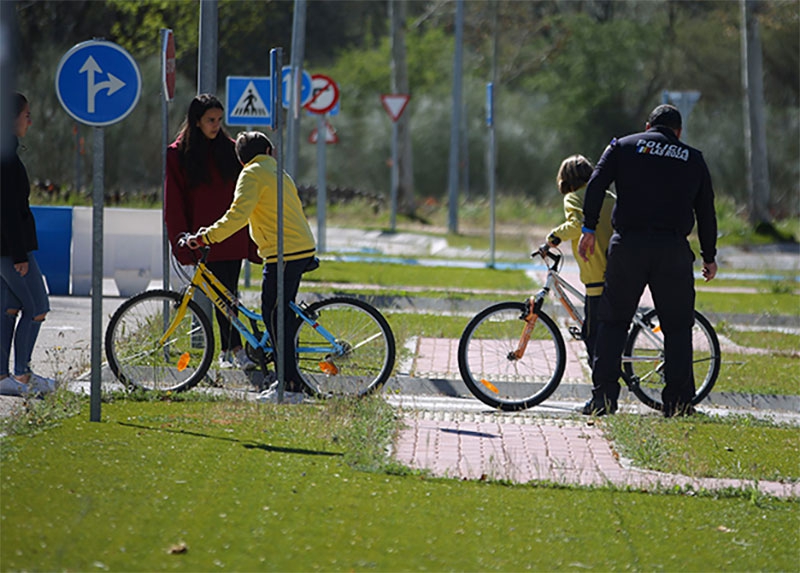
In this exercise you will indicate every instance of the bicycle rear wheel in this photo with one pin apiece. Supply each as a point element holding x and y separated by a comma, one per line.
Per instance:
<point>365,359</point>
<point>135,355</point>
<point>644,359</point>
<point>488,364</point>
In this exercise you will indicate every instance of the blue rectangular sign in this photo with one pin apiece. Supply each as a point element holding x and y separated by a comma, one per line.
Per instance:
<point>248,101</point>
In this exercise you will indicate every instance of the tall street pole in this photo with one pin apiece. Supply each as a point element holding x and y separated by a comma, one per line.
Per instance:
<point>455,124</point>
<point>296,63</point>
<point>207,48</point>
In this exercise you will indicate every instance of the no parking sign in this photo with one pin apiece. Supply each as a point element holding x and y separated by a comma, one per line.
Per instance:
<point>324,94</point>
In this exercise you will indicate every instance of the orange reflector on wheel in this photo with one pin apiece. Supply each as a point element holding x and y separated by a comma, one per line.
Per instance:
<point>183,361</point>
<point>328,368</point>
<point>490,386</point>
<point>657,329</point>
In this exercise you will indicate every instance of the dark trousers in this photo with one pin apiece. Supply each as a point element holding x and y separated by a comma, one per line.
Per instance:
<point>590,325</point>
<point>662,261</point>
<point>292,273</point>
<point>228,274</point>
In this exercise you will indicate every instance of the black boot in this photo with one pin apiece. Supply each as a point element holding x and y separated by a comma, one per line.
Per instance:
<point>592,408</point>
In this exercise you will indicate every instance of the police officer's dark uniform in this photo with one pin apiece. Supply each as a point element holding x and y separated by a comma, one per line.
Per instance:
<point>661,184</point>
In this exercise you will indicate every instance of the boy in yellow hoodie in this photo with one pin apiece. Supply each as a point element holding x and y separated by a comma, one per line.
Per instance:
<point>254,204</point>
<point>573,175</point>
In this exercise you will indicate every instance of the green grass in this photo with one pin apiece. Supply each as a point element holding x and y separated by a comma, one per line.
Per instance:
<point>709,447</point>
<point>398,276</point>
<point>776,372</point>
<point>200,486</point>
<point>781,282</point>
<point>772,298</point>
<point>778,342</point>
<point>744,303</point>
<point>735,230</point>
<point>759,374</point>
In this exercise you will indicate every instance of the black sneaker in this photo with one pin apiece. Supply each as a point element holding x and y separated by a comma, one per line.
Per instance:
<point>590,408</point>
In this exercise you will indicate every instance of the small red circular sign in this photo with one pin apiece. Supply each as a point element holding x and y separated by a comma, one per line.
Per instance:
<point>324,94</point>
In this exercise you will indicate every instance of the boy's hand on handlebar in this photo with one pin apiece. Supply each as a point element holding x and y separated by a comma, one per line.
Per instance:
<point>544,248</point>
<point>194,241</point>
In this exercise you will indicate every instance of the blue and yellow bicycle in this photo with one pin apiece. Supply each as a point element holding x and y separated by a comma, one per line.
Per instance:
<point>162,339</point>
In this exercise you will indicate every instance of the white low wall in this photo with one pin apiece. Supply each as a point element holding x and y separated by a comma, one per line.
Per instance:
<point>132,248</point>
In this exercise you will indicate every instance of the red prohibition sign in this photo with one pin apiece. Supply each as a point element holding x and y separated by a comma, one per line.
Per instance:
<point>324,94</point>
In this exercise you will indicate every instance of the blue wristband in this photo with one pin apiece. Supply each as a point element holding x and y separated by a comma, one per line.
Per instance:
<point>586,229</point>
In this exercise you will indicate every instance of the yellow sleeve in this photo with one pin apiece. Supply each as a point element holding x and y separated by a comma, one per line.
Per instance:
<point>573,211</point>
<point>245,198</point>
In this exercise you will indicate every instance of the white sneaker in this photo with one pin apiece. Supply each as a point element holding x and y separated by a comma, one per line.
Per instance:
<point>224,361</point>
<point>10,386</point>
<point>39,385</point>
<point>242,361</point>
<point>270,396</point>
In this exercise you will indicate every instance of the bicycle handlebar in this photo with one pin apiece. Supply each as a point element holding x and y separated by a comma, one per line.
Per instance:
<point>204,249</point>
<point>545,252</point>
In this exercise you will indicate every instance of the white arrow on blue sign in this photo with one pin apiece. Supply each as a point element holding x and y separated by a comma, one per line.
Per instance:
<point>248,100</point>
<point>305,86</point>
<point>98,83</point>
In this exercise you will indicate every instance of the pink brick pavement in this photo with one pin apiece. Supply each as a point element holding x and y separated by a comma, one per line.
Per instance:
<point>523,449</point>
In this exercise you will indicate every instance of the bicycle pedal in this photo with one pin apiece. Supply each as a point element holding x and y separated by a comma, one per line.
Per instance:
<point>576,332</point>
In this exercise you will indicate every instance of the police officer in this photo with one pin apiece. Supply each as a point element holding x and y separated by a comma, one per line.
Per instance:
<point>662,184</point>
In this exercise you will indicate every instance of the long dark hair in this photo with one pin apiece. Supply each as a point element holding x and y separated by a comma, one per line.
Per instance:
<point>20,101</point>
<point>194,146</point>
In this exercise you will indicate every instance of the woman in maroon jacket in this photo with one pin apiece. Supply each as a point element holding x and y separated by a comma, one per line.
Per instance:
<point>201,175</point>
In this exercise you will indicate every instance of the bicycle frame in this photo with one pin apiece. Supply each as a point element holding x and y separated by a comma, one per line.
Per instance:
<point>204,280</point>
<point>562,291</point>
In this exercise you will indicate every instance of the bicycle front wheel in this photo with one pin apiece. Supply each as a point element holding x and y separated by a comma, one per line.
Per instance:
<point>644,358</point>
<point>137,357</point>
<point>491,366</point>
<point>349,351</point>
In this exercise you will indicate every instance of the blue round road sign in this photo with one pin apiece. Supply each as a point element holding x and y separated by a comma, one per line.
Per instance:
<point>305,86</point>
<point>98,83</point>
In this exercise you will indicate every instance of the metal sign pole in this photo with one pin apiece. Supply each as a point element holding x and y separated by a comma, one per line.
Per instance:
<point>490,167</point>
<point>97,107</point>
<point>164,143</point>
<point>97,271</point>
<point>321,184</point>
<point>395,171</point>
<point>452,220</point>
<point>276,59</point>
<point>247,269</point>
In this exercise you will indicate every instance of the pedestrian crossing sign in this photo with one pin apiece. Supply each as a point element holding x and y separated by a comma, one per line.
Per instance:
<point>248,101</point>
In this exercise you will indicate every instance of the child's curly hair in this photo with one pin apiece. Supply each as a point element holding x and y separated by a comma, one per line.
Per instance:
<point>574,173</point>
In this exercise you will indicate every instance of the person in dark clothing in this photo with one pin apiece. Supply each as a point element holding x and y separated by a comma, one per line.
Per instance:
<point>201,175</point>
<point>662,185</point>
<point>22,291</point>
